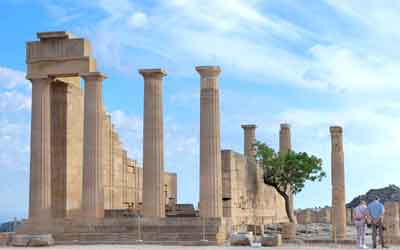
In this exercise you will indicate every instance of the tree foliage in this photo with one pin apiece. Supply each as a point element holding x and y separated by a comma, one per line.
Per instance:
<point>288,172</point>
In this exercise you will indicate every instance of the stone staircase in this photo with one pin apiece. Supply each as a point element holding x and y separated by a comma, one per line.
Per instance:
<point>169,231</point>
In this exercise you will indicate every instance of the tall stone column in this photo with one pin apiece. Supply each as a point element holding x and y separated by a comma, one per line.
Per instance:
<point>338,214</point>
<point>210,143</point>
<point>249,140</point>
<point>93,173</point>
<point>153,144</point>
<point>40,168</point>
<point>285,145</point>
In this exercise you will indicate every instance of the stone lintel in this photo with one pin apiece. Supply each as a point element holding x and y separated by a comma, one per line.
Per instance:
<point>285,126</point>
<point>37,76</point>
<point>94,76</point>
<point>336,129</point>
<point>54,35</point>
<point>249,126</point>
<point>153,73</point>
<point>208,71</point>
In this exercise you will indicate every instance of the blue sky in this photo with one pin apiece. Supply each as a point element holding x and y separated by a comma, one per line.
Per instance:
<point>309,63</point>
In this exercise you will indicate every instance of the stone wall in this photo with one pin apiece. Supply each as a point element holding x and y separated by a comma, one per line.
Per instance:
<point>126,230</point>
<point>246,199</point>
<point>170,183</point>
<point>5,238</point>
<point>319,215</point>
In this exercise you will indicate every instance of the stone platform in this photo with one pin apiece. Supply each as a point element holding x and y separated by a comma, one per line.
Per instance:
<point>173,231</point>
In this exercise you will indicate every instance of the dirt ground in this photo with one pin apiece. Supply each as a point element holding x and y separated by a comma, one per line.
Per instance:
<point>156,247</point>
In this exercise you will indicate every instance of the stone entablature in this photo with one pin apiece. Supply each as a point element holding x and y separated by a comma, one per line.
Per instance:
<point>59,54</point>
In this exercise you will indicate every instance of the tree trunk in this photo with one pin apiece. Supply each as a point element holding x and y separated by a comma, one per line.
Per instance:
<point>289,209</point>
<point>288,205</point>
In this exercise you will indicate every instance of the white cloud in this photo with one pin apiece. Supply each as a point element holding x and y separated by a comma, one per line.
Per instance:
<point>349,70</point>
<point>15,102</point>
<point>10,78</point>
<point>138,19</point>
<point>11,101</point>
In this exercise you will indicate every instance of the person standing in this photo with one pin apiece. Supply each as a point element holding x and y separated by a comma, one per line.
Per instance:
<point>360,214</point>
<point>376,210</point>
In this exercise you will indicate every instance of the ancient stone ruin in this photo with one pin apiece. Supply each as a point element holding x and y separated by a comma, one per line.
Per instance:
<point>85,188</point>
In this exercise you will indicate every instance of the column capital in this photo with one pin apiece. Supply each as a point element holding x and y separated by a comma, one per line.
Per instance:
<point>94,76</point>
<point>336,130</point>
<point>157,73</point>
<point>285,126</point>
<point>248,126</point>
<point>38,77</point>
<point>208,71</point>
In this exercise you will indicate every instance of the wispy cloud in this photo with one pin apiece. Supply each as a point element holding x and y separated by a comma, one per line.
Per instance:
<point>339,66</point>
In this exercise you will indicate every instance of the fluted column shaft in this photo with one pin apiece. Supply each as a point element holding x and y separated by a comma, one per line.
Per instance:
<point>249,140</point>
<point>153,144</point>
<point>338,184</point>
<point>210,143</point>
<point>93,188</point>
<point>40,167</point>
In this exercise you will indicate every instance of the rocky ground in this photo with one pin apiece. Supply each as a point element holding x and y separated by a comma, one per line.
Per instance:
<point>314,231</point>
<point>156,247</point>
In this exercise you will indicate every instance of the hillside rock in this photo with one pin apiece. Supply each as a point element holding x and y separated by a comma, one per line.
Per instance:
<point>389,193</point>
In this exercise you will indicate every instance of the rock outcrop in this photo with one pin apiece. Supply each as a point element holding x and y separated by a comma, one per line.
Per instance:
<point>389,193</point>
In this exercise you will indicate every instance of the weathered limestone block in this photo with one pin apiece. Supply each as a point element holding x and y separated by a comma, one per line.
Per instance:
<point>288,231</point>
<point>5,238</point>
<point>25,240</point>
<point>349,216</point>
<point>170,180</point>
<point>338,212</point>
<point>241,239</point>
<point>249,140</point>
<point>323,215</point>
<point>59,54</point>
<point>391,222</point>
<point>271,240</point>
<point>210,143</point>
<point>117,173</point>
<point>304,216</point>
<point>108,164</point>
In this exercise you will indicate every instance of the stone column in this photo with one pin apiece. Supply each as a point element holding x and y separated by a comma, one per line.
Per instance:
<point>249,140</point>
<point>285,145</point>
<point>153,144</point>
<point>40,168</point>
<point>391,222</point>
<point>338,212</point>
<point>93,174</point>
<point>210,144</point>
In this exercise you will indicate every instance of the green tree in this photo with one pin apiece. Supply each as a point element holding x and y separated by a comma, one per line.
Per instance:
<point>288,172</point>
